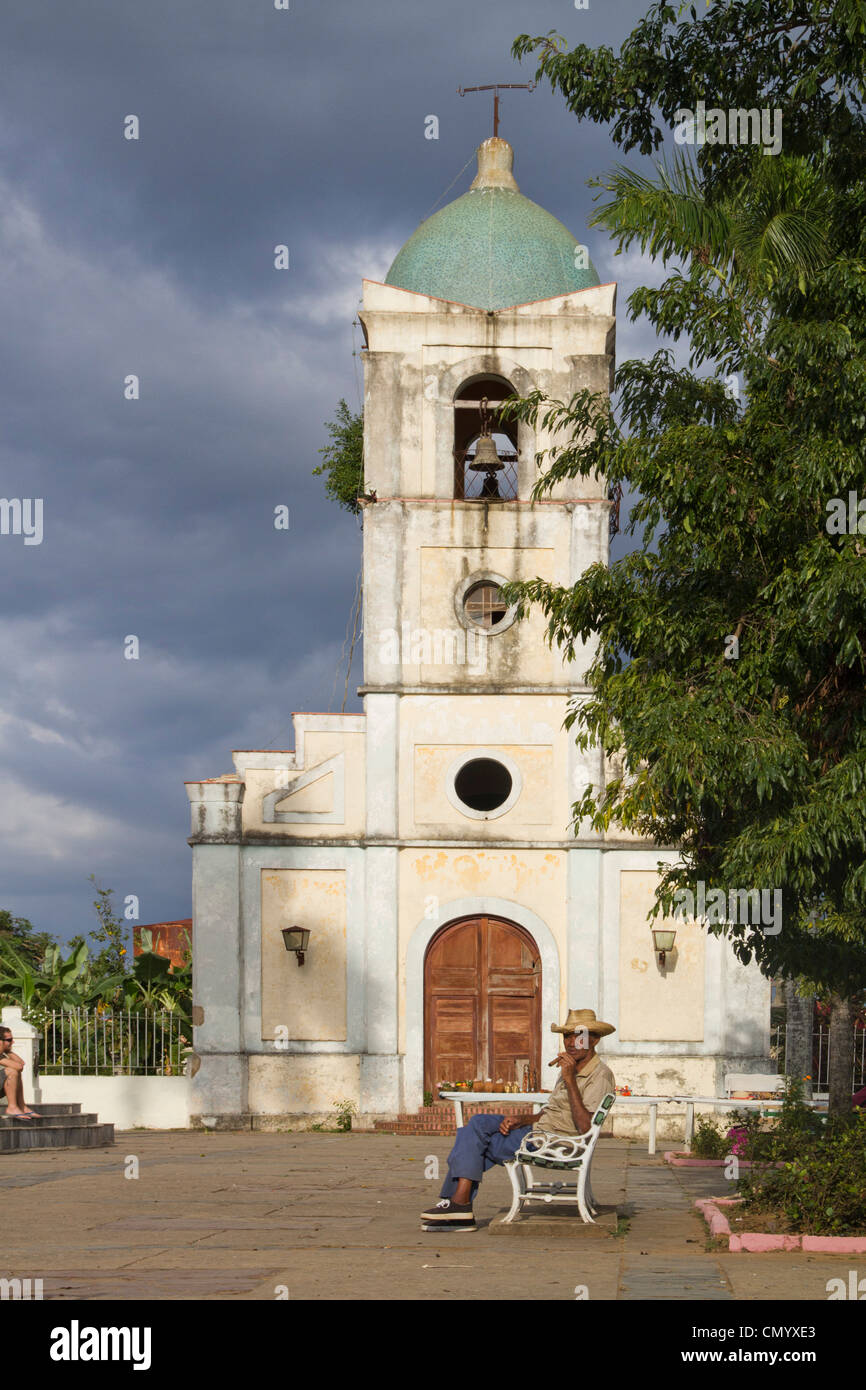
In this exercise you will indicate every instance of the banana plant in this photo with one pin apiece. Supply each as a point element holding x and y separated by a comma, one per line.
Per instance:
<point>155,984</point>
<point>59,983</point>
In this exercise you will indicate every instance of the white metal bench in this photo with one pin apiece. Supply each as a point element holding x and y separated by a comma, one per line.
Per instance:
<point>753,1081</point>
<point>569,1153</point>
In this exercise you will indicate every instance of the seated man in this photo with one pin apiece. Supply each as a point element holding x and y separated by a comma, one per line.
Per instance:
<point>11,1067</point>
<point>489,1139</point>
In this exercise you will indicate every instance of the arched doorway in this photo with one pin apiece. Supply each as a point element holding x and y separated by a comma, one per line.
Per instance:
<point>482,996</point>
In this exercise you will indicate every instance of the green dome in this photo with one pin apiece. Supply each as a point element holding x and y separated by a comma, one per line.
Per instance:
<point>492,248</point>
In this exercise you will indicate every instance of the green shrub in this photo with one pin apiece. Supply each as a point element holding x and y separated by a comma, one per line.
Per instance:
<point>345,1109</point>
<point>821,1190</point>
<point>708,1140</point>
<point>798,1127</point>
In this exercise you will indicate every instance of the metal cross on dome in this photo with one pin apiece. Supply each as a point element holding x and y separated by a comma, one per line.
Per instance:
<point>496,88</point>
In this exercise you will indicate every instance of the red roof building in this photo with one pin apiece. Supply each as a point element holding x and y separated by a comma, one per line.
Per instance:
<point>172,939</point>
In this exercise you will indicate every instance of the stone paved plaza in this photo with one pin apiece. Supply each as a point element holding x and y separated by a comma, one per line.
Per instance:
<point>335,1216</point>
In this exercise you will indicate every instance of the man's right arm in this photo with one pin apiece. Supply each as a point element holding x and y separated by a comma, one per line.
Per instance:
<point>13,1062</point>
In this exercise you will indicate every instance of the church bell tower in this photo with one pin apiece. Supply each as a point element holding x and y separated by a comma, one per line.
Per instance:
<point>491,297</point>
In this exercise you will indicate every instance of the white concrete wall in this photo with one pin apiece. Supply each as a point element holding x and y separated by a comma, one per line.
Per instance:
<point>127,1102</point>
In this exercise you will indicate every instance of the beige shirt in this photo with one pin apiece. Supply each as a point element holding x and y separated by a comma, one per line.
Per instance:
<point>593,1084</point>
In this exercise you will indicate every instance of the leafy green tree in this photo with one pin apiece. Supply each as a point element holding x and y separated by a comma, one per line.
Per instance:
<point>112,934</point>
<point>20,933</point>
<point>728,676</point>
<point>111,961</point>
<point>344,458</point>
<point>805,57</point>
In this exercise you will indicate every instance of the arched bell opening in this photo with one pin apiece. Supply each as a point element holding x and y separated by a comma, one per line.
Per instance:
<point>485,445</point>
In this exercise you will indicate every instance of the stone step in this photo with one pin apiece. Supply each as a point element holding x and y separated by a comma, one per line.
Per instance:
<point>55,1108</point>
<point>446,1112</point>
<point>418,1132</point>
<point>493,1106</point>
<point>17,1137</point>
<point>73,1121</point>
<point>422,1117</point>
<point>412,1127</point>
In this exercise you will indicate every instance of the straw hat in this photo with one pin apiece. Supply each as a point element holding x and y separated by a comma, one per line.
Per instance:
<point>583,1018</point>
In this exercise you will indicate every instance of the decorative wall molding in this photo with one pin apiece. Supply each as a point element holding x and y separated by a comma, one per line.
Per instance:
<point>271,815</point>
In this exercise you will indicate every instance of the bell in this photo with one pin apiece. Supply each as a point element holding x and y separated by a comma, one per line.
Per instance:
<point>486,458</point>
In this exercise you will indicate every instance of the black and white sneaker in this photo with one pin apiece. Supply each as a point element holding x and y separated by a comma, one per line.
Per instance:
<point>448,1216</point>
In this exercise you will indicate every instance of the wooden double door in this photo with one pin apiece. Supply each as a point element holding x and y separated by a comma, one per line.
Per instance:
<point>482,1000</point>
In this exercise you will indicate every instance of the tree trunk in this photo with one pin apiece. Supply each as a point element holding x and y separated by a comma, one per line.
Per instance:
<point>800,1009</point>
<point>841,1042</point>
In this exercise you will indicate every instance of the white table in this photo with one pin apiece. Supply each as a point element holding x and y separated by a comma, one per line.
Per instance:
<point>534,1098</point>
<point>539,1098</point>
<point>726,1103</point>
<point>715,1102</point>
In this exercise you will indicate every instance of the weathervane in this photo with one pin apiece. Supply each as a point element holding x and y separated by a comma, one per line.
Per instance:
<point>496,88</point>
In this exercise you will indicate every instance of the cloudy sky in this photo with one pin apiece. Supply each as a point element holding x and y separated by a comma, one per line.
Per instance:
<point>154,257</point>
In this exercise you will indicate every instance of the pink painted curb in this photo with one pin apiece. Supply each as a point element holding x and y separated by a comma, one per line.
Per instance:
<point>761,1241</point>
<point>831,1244</point>
<point>714,1218</point>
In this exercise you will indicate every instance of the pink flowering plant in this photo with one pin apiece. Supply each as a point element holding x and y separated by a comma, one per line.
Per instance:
<point>737,1140</point>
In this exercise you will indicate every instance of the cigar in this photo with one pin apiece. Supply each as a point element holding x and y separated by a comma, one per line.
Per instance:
<point>554,1063</point>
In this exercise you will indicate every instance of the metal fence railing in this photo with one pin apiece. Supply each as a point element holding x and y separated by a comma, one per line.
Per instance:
<point>821,1056</point>
<point>85,1042</point>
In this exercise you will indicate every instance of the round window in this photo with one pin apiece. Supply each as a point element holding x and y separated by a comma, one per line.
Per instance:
<point>484,605</point>
<point>483,784</point>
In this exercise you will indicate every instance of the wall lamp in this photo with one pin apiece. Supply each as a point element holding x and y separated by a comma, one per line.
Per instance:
<point>663,941</point>
<point>296,939</point>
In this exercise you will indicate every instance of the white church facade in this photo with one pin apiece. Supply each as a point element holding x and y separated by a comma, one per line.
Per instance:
<point>426,844</point>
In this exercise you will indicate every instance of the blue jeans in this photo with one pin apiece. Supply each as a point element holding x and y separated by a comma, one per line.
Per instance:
<point>479,1146</point>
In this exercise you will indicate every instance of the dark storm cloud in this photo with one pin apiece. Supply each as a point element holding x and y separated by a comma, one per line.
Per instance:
<point>155,257</point>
